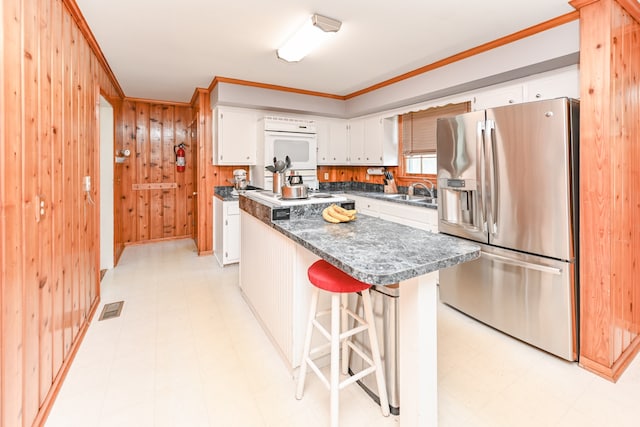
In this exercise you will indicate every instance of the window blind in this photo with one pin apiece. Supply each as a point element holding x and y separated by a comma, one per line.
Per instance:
<point>419,127</point>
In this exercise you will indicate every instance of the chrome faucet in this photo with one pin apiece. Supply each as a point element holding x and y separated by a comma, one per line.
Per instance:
<point>410,191</point>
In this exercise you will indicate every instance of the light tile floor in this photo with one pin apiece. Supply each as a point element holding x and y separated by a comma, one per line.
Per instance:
<point>187,351</point>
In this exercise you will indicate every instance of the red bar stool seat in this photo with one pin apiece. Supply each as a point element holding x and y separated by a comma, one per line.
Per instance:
<point>339,284</point>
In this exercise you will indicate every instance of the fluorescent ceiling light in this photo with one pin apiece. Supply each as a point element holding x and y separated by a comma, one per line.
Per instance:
<point>315,30</point>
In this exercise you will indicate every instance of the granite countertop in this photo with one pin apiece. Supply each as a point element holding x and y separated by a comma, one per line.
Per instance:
<point>370,249</point>
<point>227,193</point>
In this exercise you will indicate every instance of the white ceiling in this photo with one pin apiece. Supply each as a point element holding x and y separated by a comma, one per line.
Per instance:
<point>163,49</point>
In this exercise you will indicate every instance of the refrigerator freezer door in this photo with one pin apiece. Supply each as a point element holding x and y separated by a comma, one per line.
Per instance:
<point>525,296</point>
<point>461,174</point>
<point>529,181</point>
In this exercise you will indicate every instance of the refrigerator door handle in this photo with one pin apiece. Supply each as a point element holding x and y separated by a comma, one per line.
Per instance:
<point>490,127</point>
<point>524,264</point>
<point>481,171</point>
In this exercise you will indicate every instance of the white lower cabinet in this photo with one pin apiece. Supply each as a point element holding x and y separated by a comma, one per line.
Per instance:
<point>226,235</point>
<point>413,216</point>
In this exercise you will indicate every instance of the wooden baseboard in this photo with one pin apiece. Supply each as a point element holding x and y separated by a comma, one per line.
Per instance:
<point>45,409</point>
<point>614,372</point>
<point>163,239</point>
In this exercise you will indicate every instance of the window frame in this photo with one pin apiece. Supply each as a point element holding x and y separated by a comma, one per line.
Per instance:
<point>402,167</point>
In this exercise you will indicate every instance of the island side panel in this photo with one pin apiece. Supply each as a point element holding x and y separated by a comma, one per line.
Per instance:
<point>266,264</point>
<point>418,351</point>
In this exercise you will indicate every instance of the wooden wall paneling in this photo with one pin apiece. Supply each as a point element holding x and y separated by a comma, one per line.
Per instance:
<point>634,129</point>
<point>68,196</point>
<point>88,200</point>
<point>625,30</point>
<point>158,213</point>
<point>128,199</point>
<point>193,138</point>
<point>30,228</point>
<point>76,196</point>
<point>12,217</point>
<point>622,212</point>
<point>118,174</point>
<point>609,186</point>
<point>47,144</point>
<point>184,194</point>
<point>156,210</point>
<point>142,170</point>
<point>594,212</point>
<point>351,173</point>
<point>81,153</point>
<point>617,193</point>
<point>45,177</point>
<point>204,172</point>
<point>56,200</point>
<point>169,204</point>
<point>182,137</point>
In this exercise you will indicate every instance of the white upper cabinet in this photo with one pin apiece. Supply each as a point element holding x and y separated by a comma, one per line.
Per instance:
<point>563,83</point>
<point>356,141</point>
<point>333,142</point>
<point>371,141</point>
<point>512,94</point>
<point>234,136</point>
<point>553,84</point>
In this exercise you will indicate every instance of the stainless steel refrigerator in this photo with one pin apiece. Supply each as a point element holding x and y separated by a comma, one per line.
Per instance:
<point>508,179</point>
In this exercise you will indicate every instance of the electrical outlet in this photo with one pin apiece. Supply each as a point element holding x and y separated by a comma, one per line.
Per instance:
<point>326,175</point>
<point>366,177</point>
<point>87,183</point>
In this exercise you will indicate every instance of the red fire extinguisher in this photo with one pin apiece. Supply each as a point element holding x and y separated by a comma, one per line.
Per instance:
<point>180,159</point>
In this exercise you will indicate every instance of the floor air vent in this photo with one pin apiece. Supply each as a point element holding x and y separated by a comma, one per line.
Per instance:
<point>111,310</point>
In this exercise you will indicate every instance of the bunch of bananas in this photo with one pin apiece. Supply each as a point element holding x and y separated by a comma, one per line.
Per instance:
<point>336,214</point>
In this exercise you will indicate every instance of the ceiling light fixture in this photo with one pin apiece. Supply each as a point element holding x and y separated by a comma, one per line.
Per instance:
<point>315,30</point>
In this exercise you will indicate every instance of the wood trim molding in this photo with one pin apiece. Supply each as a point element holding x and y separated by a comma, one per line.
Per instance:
<point>614,372</point>
<point>157,101</point>
<point>578,4</point>
<point>552,23</point>
<point>77,16</point>
<point>160,239</point>
<point>555,22</point>
<point>154,186</point>
<point>219,79</point>
<point>632,7</point>
<point>195,98</point>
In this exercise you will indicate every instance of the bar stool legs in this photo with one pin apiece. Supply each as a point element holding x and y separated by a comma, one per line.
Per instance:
<point>340,333</point>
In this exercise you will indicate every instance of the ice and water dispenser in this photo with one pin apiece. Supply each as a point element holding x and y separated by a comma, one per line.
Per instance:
<point>459,204</point>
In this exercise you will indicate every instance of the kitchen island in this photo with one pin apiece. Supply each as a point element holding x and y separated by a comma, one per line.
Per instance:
<point>276,254</point>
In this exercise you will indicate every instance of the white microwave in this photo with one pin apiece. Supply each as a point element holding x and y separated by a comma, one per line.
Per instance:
<point>301,148</point>
<point>279,137</point>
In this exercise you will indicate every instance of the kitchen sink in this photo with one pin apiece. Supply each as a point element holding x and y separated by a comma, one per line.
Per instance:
<point>417,199</point>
